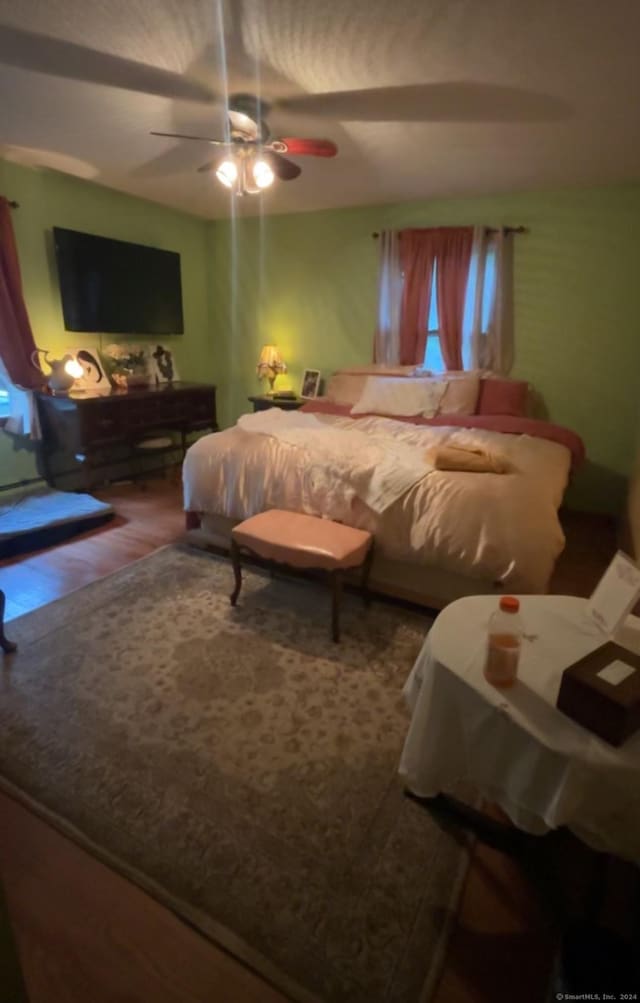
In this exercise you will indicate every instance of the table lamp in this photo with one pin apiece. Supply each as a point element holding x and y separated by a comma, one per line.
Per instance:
<point>271,363</point>
<point>64,371</point>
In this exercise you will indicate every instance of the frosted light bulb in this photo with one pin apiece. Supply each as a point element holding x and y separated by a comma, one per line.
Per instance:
<point>262,174</point>
<point>227,173</point>
<point>73,368</point>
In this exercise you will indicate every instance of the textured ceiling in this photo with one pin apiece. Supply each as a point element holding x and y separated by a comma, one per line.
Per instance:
<point>465,96</point>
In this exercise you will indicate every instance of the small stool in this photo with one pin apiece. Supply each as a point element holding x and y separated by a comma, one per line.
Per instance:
<point>304,541</point>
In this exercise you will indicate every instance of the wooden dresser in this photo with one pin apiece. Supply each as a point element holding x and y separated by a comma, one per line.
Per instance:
<point>94,433</point>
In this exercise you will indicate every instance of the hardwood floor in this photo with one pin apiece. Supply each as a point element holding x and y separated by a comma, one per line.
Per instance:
<point>86,934</point>
<point>146,519</point>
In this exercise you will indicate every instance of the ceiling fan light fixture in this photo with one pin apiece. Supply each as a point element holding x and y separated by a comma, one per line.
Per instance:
<point>247,184</point>
<point>262,174</point>
<point>227,173</point>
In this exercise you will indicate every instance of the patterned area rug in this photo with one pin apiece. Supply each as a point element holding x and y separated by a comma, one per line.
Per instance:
<point>240,766</point>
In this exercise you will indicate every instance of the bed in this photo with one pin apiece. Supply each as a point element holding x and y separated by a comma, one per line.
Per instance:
<point>440,534</point>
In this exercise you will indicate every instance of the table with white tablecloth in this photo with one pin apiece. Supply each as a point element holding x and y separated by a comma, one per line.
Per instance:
<point>516,747</point>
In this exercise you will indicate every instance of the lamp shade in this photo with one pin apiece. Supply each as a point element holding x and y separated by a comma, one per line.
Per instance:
<point>270,358</point>
<point>270,364</point>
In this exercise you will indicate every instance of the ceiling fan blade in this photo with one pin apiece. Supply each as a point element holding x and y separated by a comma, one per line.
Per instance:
<point>209,166</point>
<point>28,50</point>
<point>283,169</point>
<point>460,101</point>
<point>201,139</point>
<point>170,162</point>
<point>308,147</point>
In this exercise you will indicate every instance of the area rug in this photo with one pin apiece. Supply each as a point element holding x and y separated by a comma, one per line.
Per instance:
<point>241,767</point>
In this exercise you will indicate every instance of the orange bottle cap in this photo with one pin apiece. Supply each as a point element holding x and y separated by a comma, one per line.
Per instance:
<point>509,604</point>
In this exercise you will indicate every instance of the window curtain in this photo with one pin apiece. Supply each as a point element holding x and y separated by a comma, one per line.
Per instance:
<point>492,343</point>
<point>453,246</point>
<point>386,345</point>
<point>417,257</point>
<point>475,316</point>
<point>16,339</point>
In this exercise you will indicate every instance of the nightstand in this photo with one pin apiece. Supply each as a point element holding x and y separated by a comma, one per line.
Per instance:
<point>263,401</point>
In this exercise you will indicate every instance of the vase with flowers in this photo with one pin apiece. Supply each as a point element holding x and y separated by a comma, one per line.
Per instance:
<point>127,366</point>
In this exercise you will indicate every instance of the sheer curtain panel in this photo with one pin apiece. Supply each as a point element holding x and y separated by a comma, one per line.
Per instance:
<point>386,345</point>
<point>492,329</point>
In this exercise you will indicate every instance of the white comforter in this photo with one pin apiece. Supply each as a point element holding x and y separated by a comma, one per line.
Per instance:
<point>487,526</point>
<point>376,469</point>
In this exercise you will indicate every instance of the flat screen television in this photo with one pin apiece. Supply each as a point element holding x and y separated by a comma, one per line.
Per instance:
<point>115,287</point>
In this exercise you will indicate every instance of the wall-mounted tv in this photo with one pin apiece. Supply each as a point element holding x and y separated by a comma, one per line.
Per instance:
<point>116,287</point>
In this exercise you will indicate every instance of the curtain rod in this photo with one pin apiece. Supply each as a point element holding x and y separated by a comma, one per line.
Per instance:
<point>488,229</point>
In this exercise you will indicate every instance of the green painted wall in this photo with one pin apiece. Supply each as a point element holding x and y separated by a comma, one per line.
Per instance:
<point>49,199</point>
<point>308,283</point>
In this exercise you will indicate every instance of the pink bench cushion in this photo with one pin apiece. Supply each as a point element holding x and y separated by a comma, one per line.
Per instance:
<point>303,541</point>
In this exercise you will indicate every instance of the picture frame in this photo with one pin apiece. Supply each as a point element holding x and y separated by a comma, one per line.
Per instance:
<point>163,365</point>
<point>310,383</point>
<point>128,365</point>
<point>94,374</point>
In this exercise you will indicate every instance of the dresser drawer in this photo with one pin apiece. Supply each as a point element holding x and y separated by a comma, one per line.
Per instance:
<point>84,433</point>
<point>99,423</point>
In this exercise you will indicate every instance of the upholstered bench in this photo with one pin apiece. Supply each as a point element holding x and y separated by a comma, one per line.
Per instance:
<point>304,541</point>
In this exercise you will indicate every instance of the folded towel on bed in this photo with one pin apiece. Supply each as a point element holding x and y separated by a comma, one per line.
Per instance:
<point>476,461</point>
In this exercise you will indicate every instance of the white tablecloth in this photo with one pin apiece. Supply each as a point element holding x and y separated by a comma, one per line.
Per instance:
<point>517,748</point>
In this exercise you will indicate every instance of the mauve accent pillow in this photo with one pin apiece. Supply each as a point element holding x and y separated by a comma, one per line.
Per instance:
<point>502,396</point>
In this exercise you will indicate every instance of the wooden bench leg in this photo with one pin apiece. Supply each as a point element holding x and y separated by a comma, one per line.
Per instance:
<point>6,645</point>
<point>237,571</point>
<point>336,593</point>
<point>366,570</point>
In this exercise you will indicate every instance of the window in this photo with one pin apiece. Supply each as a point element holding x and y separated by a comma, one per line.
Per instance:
<point>4,400</point>
<point>433,355</point>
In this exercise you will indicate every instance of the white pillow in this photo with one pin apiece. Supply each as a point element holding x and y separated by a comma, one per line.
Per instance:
<point>461,395</point>
<point>401,397</point>
<point>382,369</point>
<point>345,388</point>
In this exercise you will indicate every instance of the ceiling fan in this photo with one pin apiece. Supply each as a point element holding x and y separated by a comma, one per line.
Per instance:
<point>253,159</point>
<point>247,139</point>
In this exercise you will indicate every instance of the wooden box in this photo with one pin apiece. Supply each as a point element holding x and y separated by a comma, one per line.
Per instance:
<point>609,709</point>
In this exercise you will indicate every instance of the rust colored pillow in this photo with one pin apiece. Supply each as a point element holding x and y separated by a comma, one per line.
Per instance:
<point>503,397</point>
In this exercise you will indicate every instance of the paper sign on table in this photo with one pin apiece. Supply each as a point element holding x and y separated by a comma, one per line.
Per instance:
<point>616,594</point>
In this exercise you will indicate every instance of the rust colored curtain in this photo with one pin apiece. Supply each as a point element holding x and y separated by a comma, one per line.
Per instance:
<point>16,338</point>
<point>417,256</point>
<point>454,258</point>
